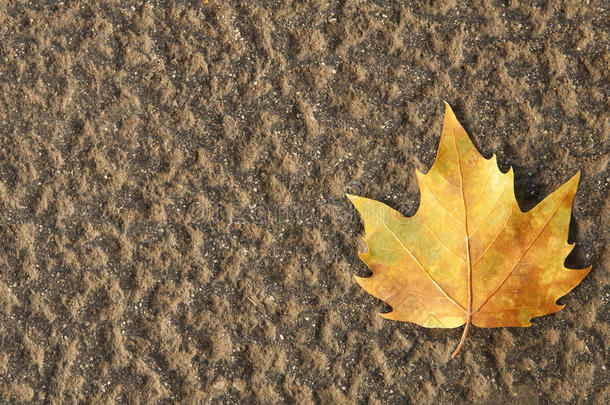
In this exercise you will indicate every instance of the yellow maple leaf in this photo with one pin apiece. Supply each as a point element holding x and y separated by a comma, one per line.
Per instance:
<point>469,255</point>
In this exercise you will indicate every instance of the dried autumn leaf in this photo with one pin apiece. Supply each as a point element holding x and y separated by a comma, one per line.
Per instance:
<point>469,255</point>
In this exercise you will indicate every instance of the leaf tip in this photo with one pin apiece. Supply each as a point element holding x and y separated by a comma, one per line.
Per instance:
<point>385,315</point>
<point>361,280</point>
<point>364,257</point>
<point>448,109</point>
<point>571,185</point>
<point>576,178</point>
<point>352,197</point>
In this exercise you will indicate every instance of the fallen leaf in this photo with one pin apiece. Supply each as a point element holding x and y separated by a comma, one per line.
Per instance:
<point>469,255</point>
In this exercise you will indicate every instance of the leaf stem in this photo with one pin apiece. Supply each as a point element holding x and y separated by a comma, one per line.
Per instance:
<point>464,336</point>
<point>468,258</point>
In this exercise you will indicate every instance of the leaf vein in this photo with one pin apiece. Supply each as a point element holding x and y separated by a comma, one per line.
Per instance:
<point>420,265</point>
<point>483,189</point>
<point>508,217</point>
<point>443,243</point>
<point>491,210</point>
<point>445,208</point>
<point>542,228</point>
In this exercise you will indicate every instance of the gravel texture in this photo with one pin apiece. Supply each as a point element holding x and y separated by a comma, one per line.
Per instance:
<point>172,178</point>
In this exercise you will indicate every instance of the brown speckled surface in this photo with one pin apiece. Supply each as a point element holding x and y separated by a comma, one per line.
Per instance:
<point>172,182</point>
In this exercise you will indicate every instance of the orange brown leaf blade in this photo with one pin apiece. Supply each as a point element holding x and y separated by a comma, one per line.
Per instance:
<point>469,255</point>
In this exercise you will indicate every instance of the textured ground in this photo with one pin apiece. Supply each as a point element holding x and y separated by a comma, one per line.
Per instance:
<point>172,178</point>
